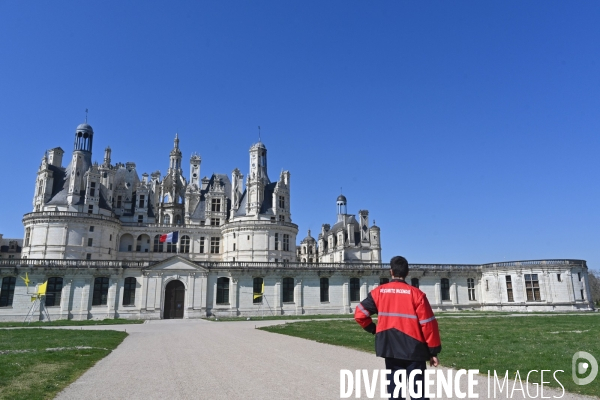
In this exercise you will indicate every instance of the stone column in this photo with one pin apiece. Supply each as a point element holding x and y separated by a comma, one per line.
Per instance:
<point>144,288</point>
<point>86,299</point>
<point>364,290</point>
<point>158,300</point>
<point>233,301</point>
<point>298,296</point>
<point>65,301</point>
<point>112,297</point>
<point>191,290</point>
<point>454,293</point>
<point>438,294</point>
<point>277,305</point>
<point>345,298</point>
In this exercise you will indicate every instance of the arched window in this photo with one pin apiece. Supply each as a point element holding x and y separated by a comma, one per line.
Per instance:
<point>354,289</point>
<point>415,282</point>
<point>100,291</point>
<point>223,291</point>
<point>184,246</point>
<point>7,291</point>
<point>158,246</point>
<point>167,219</point>
<point>258,290</point>
<point>324,283</point>
<point>471,288</point>
<point>445,289</point>
<point>54,291</point>
<point>129,291</point>
<point>126,243</point>
<point>288,290</point>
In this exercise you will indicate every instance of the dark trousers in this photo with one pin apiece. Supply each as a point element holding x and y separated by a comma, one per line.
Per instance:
<point>394,365</point>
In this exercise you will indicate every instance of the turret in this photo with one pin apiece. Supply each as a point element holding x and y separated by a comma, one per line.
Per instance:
<point>257,178</point>
<point>341,207</point>
<point>195,162</point>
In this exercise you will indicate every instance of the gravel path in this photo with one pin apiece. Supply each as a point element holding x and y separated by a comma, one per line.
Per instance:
<point>197,359</point>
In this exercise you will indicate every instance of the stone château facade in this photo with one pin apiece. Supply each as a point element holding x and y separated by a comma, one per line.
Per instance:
<point>94,235</point>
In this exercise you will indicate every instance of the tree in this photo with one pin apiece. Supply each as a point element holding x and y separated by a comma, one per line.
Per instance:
<point>594,277</point>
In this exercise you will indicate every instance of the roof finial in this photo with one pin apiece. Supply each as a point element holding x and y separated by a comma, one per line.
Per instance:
<point>259,134</point>
<point>86,115</point>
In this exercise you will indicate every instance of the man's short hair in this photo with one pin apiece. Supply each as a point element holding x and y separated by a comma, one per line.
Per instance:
<point>399,267</point>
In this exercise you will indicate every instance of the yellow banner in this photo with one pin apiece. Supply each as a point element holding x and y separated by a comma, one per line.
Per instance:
<point>42,288</point>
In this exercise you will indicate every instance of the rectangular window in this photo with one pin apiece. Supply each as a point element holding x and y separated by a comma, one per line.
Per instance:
<point>471,288</point>
<point>509,289</point>
<point>100,292</point>
<point>27,236</point>
<point>579,276</point>
<point>286,242</point>
<point>582,298</point>
<point>281,202</point>
<point>354,289</point>
<point>234,247</point>
<point>257,290</point>
<point>171,247</point>
<point>383,281</point>
<point>215,205</point>
<point>54,291</point>
<point>223,291</point>
<point>532,287</point>
<point>215,221</point>
<point>90,241</point>
<point>88,256</point>
<point>202,244</point>
<point>118,201</point>
<point>324,290</point>
<point>110,238</point>
<point>282,218</point>
<point>415,282</point>
<point>140,219</point>
<point>7,291</point>
<point>158,246</point>
<point>214,245</point>
<point>445,289</point>
<point>92,189</point>
<point>277,241</point>
<point>184,244</point>
<point>129,291</point>
<point>91,228</point>
<point>288,290</point>
<point>558,278</point>
<point>141,201</point>
<point>90,209</point>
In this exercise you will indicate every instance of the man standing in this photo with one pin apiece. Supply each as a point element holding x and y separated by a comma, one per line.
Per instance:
<point>406,334</point>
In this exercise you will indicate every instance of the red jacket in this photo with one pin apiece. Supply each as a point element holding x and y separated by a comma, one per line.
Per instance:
<point>406,328</point>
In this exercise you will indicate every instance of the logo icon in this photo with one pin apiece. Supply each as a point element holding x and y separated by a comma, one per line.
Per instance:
<point>580,367</point>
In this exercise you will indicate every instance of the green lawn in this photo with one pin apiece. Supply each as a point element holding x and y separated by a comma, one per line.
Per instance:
<point>30,371</point>
<point>487,343</point>
<point>68,322</point>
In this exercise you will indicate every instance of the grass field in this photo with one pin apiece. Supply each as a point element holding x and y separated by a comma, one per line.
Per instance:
<point>38,363</point>
<point>65,322</point>
<point>487,343</point>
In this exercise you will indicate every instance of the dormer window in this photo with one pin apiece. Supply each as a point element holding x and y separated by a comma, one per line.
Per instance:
<point>92,189</point>
<point>215,205</point>
<point>119,200</point>
<point>141,201</point>
<point>281,202</point>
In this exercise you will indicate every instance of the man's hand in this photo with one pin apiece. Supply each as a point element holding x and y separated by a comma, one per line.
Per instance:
<point>434,362</point>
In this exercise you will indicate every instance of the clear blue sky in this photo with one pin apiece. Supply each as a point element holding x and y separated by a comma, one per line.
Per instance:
<point>469,130</point>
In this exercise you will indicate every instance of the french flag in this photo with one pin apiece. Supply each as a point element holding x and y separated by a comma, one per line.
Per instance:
<point>169,237</point>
